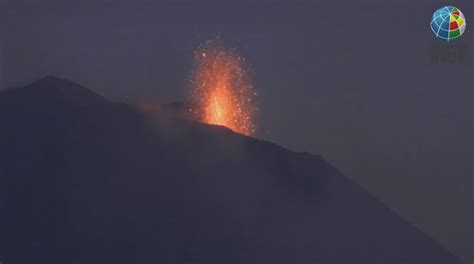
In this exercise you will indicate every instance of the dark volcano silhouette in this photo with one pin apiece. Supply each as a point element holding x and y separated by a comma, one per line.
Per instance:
<point>86,180</point>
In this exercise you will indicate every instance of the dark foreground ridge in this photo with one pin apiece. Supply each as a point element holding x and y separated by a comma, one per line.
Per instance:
<point>85,180</point>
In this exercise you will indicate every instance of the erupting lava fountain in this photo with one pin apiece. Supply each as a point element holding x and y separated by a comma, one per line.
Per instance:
<point>221,87</point>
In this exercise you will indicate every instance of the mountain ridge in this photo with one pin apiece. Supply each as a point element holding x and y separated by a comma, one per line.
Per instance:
<point>92,181</point>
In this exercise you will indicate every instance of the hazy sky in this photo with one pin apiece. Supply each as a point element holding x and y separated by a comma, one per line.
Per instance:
<point>350,80</point>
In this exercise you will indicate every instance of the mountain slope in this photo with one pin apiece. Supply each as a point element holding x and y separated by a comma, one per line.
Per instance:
<point>85,180</point>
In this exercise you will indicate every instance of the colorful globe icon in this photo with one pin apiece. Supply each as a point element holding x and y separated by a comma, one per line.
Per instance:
<point>448,23</point>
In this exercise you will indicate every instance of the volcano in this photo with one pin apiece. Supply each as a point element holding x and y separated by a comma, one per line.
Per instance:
<point>87,180</point>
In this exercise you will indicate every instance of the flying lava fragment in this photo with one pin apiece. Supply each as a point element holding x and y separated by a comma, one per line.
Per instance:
<point>220,85</point>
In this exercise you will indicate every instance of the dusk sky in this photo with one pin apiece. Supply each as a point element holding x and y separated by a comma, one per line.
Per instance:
<point>352,81</point>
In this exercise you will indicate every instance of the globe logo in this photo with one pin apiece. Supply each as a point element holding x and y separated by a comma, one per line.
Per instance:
<point>448,23</point>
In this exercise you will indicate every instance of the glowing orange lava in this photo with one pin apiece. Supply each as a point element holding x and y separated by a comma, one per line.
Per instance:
<point>220,85</point>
